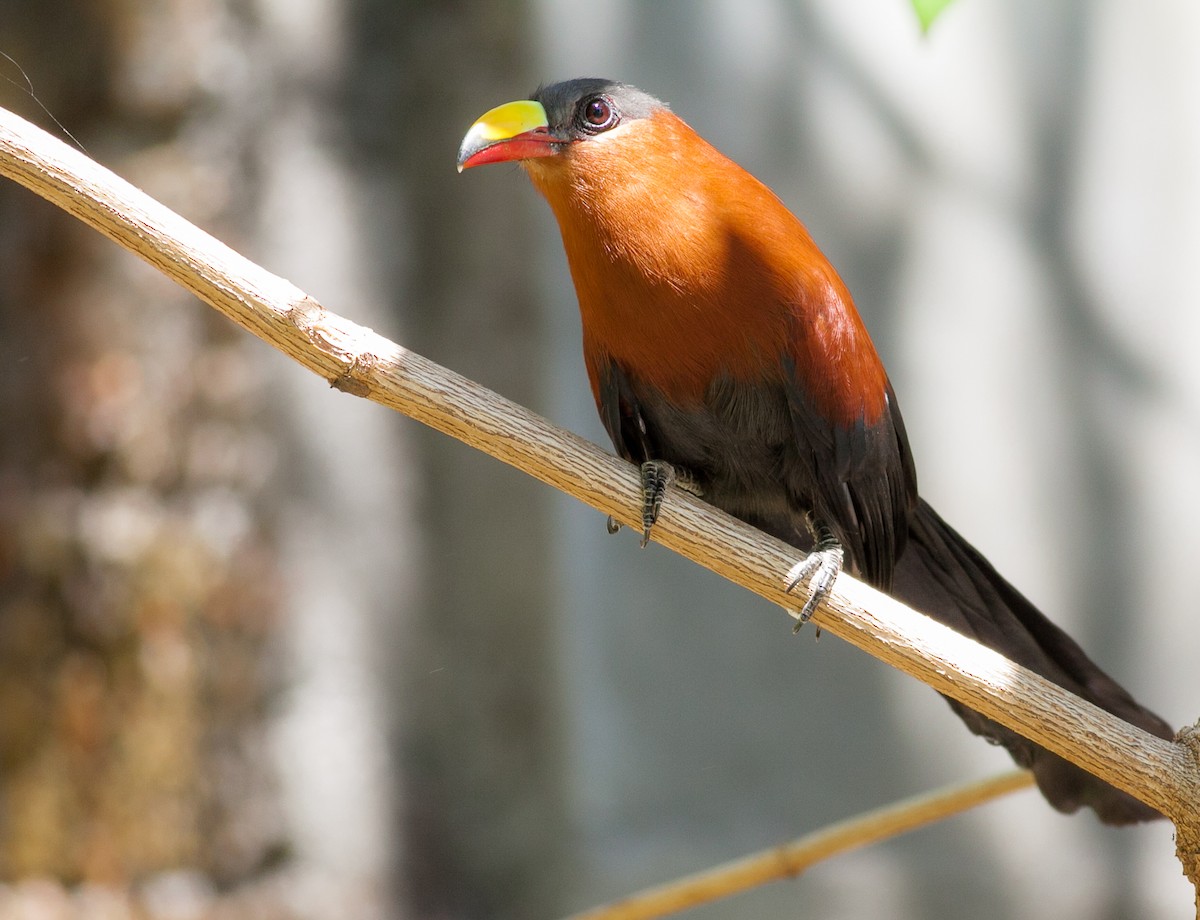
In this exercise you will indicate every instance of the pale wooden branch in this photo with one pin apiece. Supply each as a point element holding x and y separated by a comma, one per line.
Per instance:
<point>790,859</point>
<point>1163,774</point>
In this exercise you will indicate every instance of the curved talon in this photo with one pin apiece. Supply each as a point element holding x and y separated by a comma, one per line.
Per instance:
<point>612,525</point>
<point>820,568</point>
<point>656,476</point>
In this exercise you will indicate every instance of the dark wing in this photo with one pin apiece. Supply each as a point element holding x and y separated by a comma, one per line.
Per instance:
<point>860,478</point>
<point>620,413</point>
<point>760,450</point>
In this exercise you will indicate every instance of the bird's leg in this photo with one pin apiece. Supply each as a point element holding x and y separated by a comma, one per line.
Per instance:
<point>820,567</point>
<point>656,476</point>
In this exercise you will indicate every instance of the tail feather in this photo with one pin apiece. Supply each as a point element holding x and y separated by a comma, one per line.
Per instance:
<point>942,575</point>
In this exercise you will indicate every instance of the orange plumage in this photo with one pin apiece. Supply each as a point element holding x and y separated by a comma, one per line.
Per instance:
<point>691,247</point>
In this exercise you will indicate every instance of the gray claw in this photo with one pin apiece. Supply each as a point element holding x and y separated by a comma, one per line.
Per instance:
<point>820,568</point>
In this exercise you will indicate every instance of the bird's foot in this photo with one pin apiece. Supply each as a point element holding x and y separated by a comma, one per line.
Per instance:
<point>657,475</point>
<point>820,568</point>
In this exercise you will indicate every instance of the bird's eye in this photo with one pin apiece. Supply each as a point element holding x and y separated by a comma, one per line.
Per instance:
<point>599,114</point>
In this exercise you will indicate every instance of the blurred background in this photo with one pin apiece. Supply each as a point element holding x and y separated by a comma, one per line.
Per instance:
<point>268,651</point>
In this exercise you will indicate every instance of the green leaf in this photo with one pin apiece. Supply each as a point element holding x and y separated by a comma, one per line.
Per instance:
<point>928,10</point>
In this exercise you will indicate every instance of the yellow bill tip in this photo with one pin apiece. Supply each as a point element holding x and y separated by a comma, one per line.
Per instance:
<point>513,131</point>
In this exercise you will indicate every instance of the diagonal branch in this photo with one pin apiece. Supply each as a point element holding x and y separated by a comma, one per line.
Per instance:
<point>356,360</point>
<point>791,859</point>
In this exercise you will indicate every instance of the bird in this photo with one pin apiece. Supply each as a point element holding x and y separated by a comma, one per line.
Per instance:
<point>726,356</point>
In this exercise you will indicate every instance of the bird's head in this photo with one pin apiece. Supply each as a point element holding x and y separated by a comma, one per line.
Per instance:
<point>556,121</point>
<point>619,171</point>
<point>622,173</point>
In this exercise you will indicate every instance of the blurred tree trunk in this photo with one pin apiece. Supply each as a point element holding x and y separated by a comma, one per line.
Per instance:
<point>138,581</point>
<point>482,746</point>
<point>151,533</point>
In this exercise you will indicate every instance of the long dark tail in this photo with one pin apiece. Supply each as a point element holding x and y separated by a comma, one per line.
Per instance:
<point>942,575</point>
